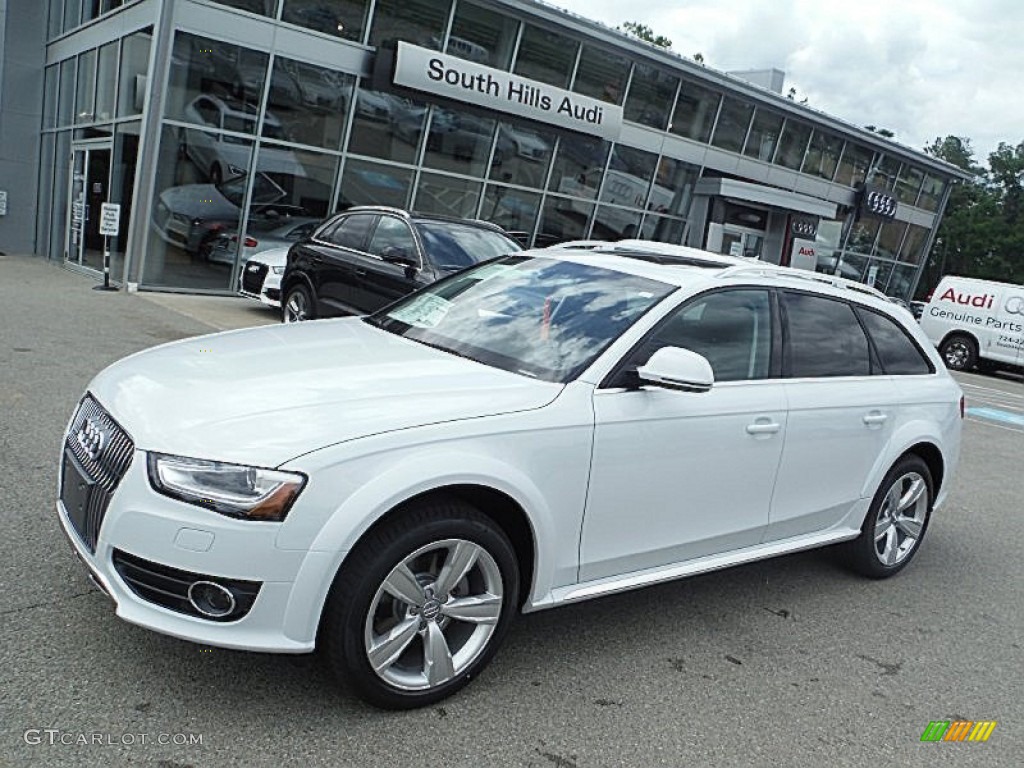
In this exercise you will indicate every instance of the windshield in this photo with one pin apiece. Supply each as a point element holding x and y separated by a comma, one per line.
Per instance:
<point>450,245</point>
<point>540,317</point>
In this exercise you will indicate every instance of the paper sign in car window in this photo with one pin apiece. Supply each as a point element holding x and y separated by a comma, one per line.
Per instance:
<point>425,311</point>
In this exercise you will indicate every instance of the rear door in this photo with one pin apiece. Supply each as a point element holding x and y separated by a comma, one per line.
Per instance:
<point>378,281</point>
<point>842,414</point>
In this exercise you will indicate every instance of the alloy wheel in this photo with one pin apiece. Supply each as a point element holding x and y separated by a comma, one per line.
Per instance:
<point>296,309</point>
<point>901,519</point>
<point>433,615</point>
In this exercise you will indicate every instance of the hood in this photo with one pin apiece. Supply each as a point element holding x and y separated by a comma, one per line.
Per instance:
<point>199,201</point>
<point>265,395</point>
<point>274,256</point>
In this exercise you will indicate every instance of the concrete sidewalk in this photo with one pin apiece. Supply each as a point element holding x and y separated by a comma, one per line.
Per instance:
<point>52,284</point>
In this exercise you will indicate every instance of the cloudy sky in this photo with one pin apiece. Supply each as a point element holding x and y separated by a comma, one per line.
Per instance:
<point>921,68</point>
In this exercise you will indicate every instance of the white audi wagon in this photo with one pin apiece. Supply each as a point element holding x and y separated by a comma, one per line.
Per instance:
<point>540,429</point>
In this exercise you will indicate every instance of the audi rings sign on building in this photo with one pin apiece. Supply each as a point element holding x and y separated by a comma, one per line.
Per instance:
<point>804,226</point>
<point>875,203</point>
<point>1014,305</point>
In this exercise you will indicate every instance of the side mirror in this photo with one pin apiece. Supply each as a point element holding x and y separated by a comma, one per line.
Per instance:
<point>677,368</point>
<point>395,254</point>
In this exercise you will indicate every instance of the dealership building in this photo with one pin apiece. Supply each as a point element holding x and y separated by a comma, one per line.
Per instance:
<point>205,119</point>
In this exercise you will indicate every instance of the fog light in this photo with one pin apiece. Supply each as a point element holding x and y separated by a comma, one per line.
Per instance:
<point>211,599</point>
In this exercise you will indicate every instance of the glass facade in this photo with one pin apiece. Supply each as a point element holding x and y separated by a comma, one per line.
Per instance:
<point>248,137</point>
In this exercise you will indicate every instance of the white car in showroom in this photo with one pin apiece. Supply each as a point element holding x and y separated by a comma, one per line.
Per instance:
<point>540,429</point>
<point>260,276</point>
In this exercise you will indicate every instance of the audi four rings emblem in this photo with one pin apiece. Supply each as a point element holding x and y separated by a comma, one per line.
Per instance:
<point>1015,305</point>
<point>880,204</point>
<point>805,227</point>
<point>92,438</point>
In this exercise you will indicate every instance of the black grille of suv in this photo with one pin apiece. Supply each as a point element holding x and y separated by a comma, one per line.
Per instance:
<point>252,280</point>
<point>169,587</point>
<point>97,453</point>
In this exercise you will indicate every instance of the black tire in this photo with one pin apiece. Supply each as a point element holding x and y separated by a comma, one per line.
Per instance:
<point>298,304</point>
<point>867,553</point>
<point>358,605</point>
<point>959,352</point>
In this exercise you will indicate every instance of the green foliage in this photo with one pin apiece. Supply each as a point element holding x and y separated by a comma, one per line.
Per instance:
<point>645,33</point>
<point>885,133</point>
<point>982,230</point>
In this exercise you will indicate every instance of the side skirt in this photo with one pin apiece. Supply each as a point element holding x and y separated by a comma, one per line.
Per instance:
<point>610,585</point>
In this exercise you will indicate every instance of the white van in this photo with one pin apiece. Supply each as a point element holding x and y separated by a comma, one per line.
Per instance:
<point>976,321</point>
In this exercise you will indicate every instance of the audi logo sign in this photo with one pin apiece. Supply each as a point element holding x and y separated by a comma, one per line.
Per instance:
<point>878,204</point>
<point>803,227</point>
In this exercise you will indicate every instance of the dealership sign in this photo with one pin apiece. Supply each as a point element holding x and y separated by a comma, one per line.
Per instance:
<point>425,70</point>
<point>876,203</point>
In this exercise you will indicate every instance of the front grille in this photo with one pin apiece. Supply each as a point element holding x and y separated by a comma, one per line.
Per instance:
<point>101,462</point>
<point>252,281</point>
<point>168,587</point>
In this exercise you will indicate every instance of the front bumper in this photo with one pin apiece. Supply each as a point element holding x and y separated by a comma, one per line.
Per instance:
<point>269,293</point>
<point>138,521</point>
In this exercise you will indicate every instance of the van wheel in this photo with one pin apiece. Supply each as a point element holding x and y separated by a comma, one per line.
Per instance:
<point>421,605</point>
<point>896,521</point>
<point>959,352</point>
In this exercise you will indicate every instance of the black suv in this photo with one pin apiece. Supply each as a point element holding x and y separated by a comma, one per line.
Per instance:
<point>369,256</point>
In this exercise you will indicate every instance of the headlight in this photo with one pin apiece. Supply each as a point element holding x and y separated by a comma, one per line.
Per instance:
<point>278,270</point>
<point>231,489</point>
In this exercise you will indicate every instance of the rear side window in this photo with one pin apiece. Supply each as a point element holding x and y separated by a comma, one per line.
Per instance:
<point>825,338</point>
<point>900,356</point>
<point>352,231</point>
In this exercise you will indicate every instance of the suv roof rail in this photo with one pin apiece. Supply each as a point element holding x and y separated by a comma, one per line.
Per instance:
<point>772,270</point>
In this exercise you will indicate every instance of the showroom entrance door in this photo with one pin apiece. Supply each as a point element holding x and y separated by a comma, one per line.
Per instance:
<point>89,189</point>
<point>739,241</point>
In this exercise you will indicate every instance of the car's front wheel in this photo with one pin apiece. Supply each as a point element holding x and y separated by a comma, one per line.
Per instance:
<point>298,305</point>
<point>896,521</point>
<point>421,605</point>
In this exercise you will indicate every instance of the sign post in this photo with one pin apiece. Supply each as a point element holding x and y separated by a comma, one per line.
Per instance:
<point>110,222</point>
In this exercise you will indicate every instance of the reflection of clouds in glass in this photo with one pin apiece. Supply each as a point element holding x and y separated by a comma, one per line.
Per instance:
<point>539,316</point>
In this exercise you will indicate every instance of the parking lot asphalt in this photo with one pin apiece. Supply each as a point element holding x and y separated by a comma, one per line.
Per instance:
<point>788,662</point>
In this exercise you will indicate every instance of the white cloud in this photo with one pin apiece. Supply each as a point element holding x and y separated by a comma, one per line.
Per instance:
<point>919,68</point>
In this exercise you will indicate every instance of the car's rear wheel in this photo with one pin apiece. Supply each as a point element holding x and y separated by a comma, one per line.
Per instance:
<point>896,521</point>
<point>959,352</point>
<point>298,305</point>
<point>421,605</point>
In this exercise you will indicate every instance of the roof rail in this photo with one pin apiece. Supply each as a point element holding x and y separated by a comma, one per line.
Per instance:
<point>769,270</point>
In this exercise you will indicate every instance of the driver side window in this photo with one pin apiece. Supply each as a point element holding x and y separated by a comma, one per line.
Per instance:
<point>392,233</point>
<point>731,328</point>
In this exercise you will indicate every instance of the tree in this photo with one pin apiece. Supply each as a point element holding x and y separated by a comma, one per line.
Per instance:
<point>645,33</point>
<point>885,133</point>
<point>792,94</point>
<point>982,229</point>
<point>698,57</point>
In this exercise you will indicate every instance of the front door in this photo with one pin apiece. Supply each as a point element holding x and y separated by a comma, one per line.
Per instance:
<point>679,475</point>
<point>90,188</point>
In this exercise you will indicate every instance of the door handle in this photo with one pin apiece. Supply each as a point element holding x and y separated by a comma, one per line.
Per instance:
<point>875,417</point>
<point>360,272</point>
<point>763,428</point>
